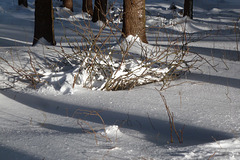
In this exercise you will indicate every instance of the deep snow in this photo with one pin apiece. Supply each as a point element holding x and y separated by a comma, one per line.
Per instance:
<point>55,122</point>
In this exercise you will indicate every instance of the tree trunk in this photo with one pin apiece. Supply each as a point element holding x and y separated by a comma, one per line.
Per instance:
<point>134,19</point>
<point>44,26</point>
<point>87,7</point>
<point>23,2</point>
<point>100,8</point>
<point>68,4</point>
<point>188,8</point>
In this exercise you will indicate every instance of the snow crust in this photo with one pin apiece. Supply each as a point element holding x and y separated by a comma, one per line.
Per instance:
<point>57,121</point>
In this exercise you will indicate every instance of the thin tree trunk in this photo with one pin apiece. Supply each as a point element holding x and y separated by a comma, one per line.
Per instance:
<point>134,19</point>
<point>100,8</point>
<point>87,7</point>
<point>68,4</point>
<point>188,8</point>
<point>23,2</point>
<point>44,26</point>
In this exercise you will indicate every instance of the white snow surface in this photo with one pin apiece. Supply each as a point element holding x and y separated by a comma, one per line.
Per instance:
<point>56,121</point>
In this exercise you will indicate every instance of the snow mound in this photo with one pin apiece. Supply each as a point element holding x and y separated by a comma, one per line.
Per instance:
<point>58,82</point>
<point>188,25</point>
<point>106,72</point>
<point>113,74</point>
<point>112,132</point>
<point>215,10</point>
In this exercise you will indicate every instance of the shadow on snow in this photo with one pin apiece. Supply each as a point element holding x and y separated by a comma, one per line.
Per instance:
<point>13,154</point>
<point>192,135</point>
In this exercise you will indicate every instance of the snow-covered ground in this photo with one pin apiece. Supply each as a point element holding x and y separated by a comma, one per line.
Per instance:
<point>58,122</point>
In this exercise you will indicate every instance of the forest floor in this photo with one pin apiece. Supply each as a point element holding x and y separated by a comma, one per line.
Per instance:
<point>56,121</point>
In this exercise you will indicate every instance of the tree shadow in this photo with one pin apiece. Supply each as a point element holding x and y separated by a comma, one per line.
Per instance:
<point>8,42</point>
<point>212,52</point>
<point>215,52</point>
<point>150,127</point>
<point>225,81</point>
<point>13,154</point>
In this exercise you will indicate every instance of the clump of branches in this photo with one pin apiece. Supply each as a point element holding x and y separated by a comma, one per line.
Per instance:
<point>23,72</point>
<point>105,62</point>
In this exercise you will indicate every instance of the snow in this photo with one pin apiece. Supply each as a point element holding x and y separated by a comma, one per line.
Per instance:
<point>57,121</point>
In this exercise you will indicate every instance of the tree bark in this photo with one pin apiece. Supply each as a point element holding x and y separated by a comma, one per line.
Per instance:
<point>23,2</point>
<point>100,8</point>
<point>68,4</point>
<point>134,19</point>
<point>87,7</point>
<point>44,26</point>
<point>188,8</point>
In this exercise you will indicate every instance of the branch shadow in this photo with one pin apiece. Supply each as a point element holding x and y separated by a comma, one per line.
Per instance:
<point>62,129</point>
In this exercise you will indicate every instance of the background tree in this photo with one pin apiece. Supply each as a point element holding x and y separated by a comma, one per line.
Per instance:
<point>188,8</point>
<point>68,4</point>
<point>134,19</point>
<point>44,26</point>
<point>100,8</point>
<point>87,7</point>
<point>23,2</point>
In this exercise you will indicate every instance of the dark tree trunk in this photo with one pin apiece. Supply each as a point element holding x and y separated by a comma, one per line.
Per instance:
<point>44,26</point>
<point>23,2</point>
<point>68,4</point>
<point>87,7</point>
<point>100,8</point>
<point>134,19</point>
<point>188,8</point>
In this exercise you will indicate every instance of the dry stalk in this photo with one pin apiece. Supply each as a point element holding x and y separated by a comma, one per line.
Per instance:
<point>83,123</point>
<point>171,122</point>
<point>237,34</point>
<point>212,156</point>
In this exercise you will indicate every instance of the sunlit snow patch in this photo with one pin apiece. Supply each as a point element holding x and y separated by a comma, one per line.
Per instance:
<point>224,149</point>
